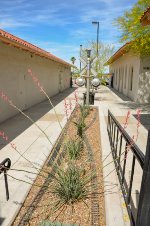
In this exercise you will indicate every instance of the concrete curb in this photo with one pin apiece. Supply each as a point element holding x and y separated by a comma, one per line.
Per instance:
<point>115,210</point>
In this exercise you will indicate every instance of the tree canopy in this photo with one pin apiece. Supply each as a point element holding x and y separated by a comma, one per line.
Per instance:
<point>132,30</point>
<point>105,52</point>
<point>73,59</point>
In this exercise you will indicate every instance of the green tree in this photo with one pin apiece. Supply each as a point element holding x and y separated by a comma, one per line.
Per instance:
<point>132,30</point>
<point>73,59</point>
<point>105,52</point>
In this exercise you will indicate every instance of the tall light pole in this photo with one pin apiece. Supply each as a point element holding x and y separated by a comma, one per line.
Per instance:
<point>80,56</point>
<point>97,23</point>
<point>88,76</point>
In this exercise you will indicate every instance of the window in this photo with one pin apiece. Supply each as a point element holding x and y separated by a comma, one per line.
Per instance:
<point>131,79</point>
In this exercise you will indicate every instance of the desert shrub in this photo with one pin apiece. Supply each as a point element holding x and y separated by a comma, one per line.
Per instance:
<point>72,185</point>
<point>80,126</point>
<point>74,149</point>
<point>84,110</point>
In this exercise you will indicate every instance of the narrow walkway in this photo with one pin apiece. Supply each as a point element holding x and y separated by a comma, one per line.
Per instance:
<point>119,105</point>
<point>31,144</point>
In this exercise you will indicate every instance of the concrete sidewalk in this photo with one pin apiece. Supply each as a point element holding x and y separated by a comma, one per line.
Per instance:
<point>33,145</point>
<point>119,105</point>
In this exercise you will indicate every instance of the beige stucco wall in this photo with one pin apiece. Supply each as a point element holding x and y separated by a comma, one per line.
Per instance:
<point>18,85</point>
<point>122,74</point>
<point>144,81</point>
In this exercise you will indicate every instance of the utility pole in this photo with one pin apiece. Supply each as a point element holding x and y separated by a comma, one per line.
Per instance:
<point>80,56</point>
<point>97,51</point>
<point>97,23</point>
<point>88,76</point>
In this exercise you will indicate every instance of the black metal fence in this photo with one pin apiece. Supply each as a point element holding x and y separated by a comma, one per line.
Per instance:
<point>4,167</point>
<point>121,143</point>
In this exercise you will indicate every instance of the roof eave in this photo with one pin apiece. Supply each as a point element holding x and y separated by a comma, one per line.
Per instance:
<point>118,54</point>
<point>19,45</point>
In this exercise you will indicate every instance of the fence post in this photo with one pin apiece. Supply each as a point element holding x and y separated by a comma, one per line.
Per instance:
<point>143,214</point>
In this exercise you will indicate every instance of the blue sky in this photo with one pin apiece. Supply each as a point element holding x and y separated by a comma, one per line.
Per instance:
<point>61,26</point>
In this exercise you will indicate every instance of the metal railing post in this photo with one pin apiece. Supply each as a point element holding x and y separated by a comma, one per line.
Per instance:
<point>121,144</point>
<point>143,215</point>
<point>4,167</point>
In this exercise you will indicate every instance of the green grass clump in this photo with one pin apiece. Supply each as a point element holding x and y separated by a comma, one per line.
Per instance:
<point>80,126</point>
<point>71,185</point>
<point>84,110</point>
<point>74,149</point>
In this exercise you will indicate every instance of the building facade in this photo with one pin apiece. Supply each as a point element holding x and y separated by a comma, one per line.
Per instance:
<point>16,57</point>
<point>131,75</point>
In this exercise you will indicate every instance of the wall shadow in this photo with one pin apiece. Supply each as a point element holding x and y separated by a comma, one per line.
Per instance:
<point>14,126</point>
<point>145,108</point>
<point>122,96</point>
<point>144,120</point>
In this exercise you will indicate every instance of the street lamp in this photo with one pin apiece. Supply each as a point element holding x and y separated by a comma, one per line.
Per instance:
<point>97,23</point>
<point>88,51</point>
<point>80,56</point>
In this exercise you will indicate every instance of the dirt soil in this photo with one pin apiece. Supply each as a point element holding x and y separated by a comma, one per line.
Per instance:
<point>39,204</point>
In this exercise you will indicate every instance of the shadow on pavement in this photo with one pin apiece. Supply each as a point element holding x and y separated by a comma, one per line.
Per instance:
<point>19,123</point>
<point>144,120</point>
<point>120,95</point>
<point>145,108</point>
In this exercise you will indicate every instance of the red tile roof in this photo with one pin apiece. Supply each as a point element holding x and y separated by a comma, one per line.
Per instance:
<point>20,43</point>
<point>145,19</point>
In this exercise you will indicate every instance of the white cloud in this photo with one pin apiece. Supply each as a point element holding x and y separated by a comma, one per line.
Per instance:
<point>11,23</point>
<point>24,13</point>
<point>64,51</point>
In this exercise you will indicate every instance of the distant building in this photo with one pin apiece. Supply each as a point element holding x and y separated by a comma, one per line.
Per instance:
<point>131,74</point>
<point>16,57</point>
<point>145,19</point>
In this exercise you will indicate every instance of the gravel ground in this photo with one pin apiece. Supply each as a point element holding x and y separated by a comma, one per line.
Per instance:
<point>39,204</point>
